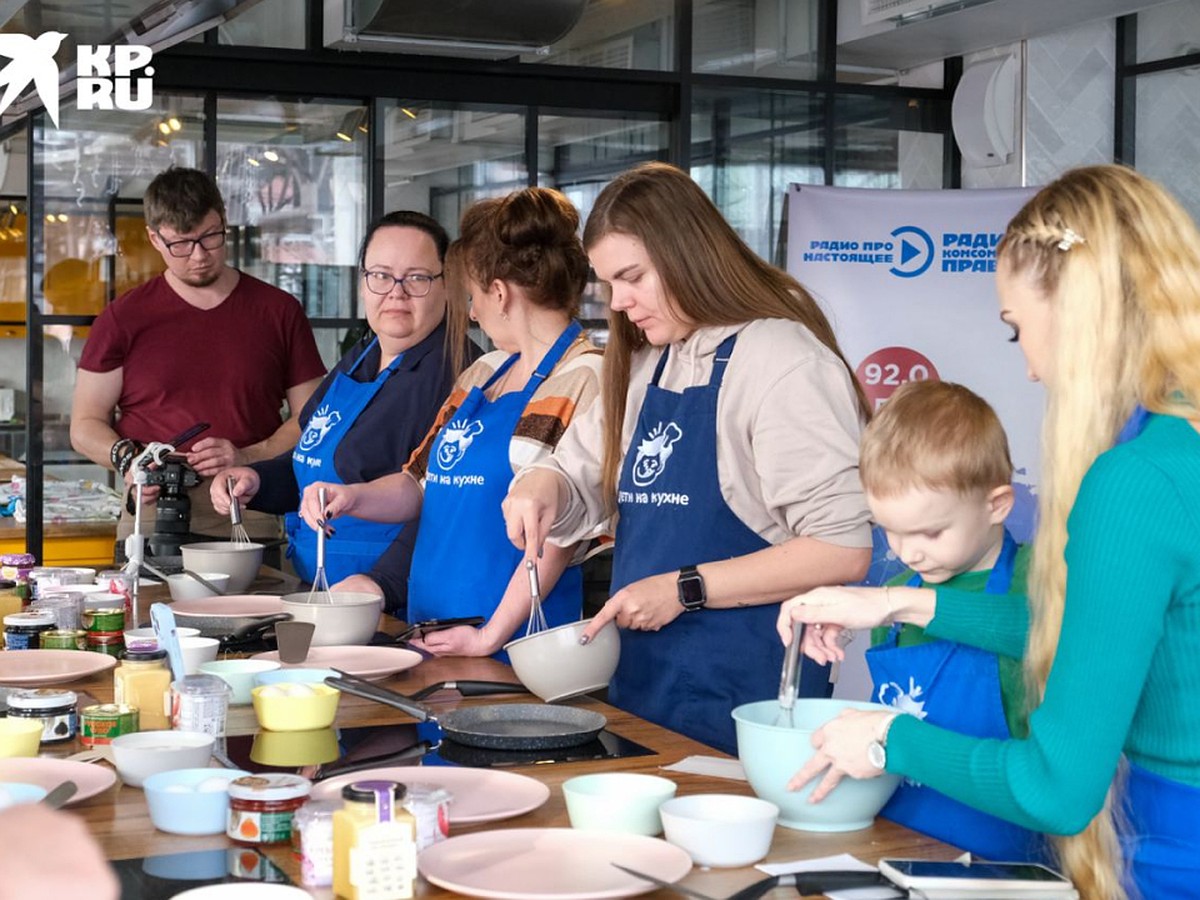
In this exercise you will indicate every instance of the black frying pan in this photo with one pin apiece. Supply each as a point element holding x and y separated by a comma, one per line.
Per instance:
<point>498,726</point>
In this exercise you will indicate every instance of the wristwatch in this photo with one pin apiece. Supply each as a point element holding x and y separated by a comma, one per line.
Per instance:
<point>877,749</point>
<point>692,596</point>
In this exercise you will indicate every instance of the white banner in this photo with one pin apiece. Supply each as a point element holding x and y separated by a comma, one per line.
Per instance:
<point>908,280</point>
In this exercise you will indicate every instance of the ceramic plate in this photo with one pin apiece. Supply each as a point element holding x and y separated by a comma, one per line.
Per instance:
<point>550,864</point>
<point>477,795</point>
<point>235,606</point>
<point>90,778</point>
<point>39,667</point>
<point>375,663</point>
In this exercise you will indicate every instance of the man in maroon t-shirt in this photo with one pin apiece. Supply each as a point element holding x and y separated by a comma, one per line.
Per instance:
<point>202,342</point>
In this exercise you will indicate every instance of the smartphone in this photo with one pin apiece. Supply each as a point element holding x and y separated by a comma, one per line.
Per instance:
<point>991,879</point>
<point>420,629</point>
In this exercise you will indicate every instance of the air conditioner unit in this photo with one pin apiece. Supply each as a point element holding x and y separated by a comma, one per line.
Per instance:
<point>876,11</point>
<point>478,28</point>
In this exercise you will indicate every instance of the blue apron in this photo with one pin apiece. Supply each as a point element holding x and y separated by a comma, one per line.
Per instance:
<point>1161,833</point>
<point>463,559</point>
<point>957,687</point>
<point>359,543</point>
<point>691,674</point>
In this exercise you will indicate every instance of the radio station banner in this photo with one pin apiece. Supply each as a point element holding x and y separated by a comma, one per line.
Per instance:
<point>908,280</point>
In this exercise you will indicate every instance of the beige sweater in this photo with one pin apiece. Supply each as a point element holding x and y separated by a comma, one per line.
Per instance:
<point>787,442</point>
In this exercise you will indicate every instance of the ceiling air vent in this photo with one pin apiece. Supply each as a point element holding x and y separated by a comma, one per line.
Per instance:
<point>481,28</point>
<point>876,11</point>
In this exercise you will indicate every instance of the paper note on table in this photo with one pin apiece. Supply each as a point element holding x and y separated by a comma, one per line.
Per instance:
<point>868,893</point>
<point>709,765</point>
<point>843,862</point>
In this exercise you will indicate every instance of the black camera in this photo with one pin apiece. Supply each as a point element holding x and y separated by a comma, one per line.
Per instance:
<point>173,509</point>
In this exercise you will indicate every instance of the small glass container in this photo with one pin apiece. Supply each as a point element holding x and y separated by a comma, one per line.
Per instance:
<point>55,708</point>
<point>10,600</point>
<point>47,579</point>
<point>430,807</point>
<point>375,831</point>
<point>261,807</point>
<point>101,723</point>
<point>15,567</point>
<point>23,630</point>
<point>312,841</point>
<point>66,606</point>
<point>142,680</point>
<point>199,703</point>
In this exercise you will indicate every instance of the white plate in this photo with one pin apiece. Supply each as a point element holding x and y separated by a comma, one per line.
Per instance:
<point>254,890</point>
<point>90,778</point>
<point>375,663</point>
<point>550,864</point>
<point>477,795</point>
<point>39,667</point>
<point>235,606</point>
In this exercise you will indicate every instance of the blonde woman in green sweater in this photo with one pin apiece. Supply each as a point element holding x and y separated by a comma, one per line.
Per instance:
<point>1099,277</point>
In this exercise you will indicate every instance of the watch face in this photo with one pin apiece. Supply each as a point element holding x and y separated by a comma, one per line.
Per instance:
<point>691,591</point>
<point>877,755</point>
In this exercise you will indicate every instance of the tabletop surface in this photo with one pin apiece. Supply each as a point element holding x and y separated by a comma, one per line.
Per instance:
<point>119,818</point>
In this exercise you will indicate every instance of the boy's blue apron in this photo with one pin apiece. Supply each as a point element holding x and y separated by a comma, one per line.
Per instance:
<point>690,675</point>
<point>359,543</point>
<point>1161,833</point>
<point>956,687</point>
<point>463,559</point>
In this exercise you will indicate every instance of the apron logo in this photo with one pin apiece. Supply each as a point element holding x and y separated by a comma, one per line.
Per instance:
<point>890,694</point>
<point>319,426</point>
<point>653,453</point>
<point>456,440</point>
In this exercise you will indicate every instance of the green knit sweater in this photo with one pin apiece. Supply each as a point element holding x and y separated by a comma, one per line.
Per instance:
<point>1126,677</point>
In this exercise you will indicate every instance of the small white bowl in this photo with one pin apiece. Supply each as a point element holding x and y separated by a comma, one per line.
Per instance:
<point>185,587</point>
<point>239,674</point>
<point>726,830</point>
<point>146,635</point>
<point>141,754</point>
<point>197,650</point>
<point>617,801</point>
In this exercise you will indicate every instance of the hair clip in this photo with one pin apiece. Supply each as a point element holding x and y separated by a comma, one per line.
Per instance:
<point>1070,239</point>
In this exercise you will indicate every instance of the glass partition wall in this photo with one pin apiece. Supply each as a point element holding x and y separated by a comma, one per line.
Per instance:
<point>309,144</point>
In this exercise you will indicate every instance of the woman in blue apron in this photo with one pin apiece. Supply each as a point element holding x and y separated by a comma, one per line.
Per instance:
<point>1099,278</point>
<point>727,447</point>
<point>370,412</point>
<point>521,261</point>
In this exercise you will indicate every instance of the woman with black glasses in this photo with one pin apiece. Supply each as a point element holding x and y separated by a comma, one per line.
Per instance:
<point>369,413</point>
<point>521,261</point>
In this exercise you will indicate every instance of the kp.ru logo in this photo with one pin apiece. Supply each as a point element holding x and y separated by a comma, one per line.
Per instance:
<point>100,83</point>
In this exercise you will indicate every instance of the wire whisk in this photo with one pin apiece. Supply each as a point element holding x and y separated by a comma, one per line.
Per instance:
<point>789,678</point>
<point>238,532</point>
<point>319,593</point>
<point>537,618</point>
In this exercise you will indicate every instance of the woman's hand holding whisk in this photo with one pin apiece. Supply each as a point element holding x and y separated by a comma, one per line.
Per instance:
<point>245,485</point>
<point>340,500</point>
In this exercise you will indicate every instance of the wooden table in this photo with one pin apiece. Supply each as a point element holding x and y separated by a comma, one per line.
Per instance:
<point>120,820</point>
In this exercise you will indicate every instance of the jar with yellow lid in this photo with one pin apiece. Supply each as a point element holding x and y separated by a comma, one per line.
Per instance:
<point>142,680</point>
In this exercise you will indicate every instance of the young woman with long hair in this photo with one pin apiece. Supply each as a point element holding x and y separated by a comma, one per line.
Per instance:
<point>726,445</point>
<point>1099,277</point>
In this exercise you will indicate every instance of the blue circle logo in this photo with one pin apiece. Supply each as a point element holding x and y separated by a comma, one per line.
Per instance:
<point>916,251</point>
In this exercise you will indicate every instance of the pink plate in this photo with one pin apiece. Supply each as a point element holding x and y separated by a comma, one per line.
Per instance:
<point>375,663</point>
<point>550,864</point>
<point>38,667</point>
<point>477,795</point>
<point>90,778</point>
<point>235,606</point>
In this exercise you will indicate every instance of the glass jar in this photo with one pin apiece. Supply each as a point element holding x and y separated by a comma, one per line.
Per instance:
<point>312,841</point>
<point>374,829</point>
<point>199,703</point>
<point>15,567</point>
<point>142,680</point>
<point>261,807</point>
<point>66,607</point>
<point>10,600</point>
<point>55,708</point>
<point>23,630</point>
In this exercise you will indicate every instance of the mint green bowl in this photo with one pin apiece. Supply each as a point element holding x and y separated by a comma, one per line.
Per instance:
<point>771,754</point>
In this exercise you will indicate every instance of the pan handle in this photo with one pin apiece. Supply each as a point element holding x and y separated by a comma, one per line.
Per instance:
<point>418,711</point>
<point>471,688</point>
<point>417,751</point>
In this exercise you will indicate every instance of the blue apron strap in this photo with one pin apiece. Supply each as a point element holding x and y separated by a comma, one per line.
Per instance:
<point>504,367</point>
<point>1002,572</point>
<point>724,351</point>
<point>553,355</point>
<point>1134,424</point>
<point>662,364</point>
<point>363,356</point>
